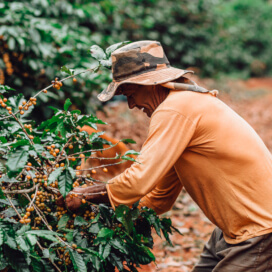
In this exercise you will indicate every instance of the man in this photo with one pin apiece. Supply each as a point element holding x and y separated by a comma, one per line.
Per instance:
<point>198,142</point>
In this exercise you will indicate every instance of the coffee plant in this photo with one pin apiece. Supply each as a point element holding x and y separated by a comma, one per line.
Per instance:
<point>39,163</point>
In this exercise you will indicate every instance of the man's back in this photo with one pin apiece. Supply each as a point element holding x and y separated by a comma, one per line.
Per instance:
<point>226,167</point>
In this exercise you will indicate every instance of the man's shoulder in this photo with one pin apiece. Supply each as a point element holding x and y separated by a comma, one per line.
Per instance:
<point>187,102</point>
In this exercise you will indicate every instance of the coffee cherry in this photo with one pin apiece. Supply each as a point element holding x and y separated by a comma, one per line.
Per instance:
<point>5,99</point>
<point>105,170</point>
<point>83,201</point>
<point>93,171</point>
<point>22,112</point>
<point>82,156</point>
<point>45,91</point>
<point>74,80</point>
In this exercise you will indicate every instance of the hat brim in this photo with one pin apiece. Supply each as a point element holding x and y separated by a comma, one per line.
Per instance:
<point>149,78</point>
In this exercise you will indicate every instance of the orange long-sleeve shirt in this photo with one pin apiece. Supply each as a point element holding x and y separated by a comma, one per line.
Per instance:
<point>197,141</point>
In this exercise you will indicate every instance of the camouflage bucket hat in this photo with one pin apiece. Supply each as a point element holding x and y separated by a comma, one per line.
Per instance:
<point>142,63</point>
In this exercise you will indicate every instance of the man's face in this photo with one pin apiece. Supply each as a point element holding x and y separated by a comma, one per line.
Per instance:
<point>139,96</point>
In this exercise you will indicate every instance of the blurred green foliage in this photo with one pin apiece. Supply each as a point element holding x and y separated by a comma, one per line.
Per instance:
<point>218,37</point>
<point>40,36</point>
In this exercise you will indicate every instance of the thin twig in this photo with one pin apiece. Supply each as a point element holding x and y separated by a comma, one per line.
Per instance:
<point>45,222</point>
<point>24,130</point>
<point>41,248</point>
<point>33,199</point>
<point>14,207</point>
<point>94,150</point>
<point>102,166</point>
<point>20,191</point>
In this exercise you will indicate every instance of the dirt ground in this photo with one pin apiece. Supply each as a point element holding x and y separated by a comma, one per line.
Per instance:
<point>252,99</point>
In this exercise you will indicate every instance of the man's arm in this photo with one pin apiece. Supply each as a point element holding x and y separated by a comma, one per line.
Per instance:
<point>163,197</point>
<point>169,135</point>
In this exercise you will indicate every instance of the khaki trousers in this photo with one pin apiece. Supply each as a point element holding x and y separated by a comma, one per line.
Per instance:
<point>252,255</point>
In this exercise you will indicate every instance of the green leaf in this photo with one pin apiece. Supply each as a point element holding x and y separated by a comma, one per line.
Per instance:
<point>106,251</point>
<point>20,143</point>
<point>97,52</point>
<point>105,213</point>
<point>10,241</point>
<point>16,161</point>
<point>1,237</point>
<point>155,222</point>
<point>2,196</point>
<point>54,175</point>
<point>126,158</point>
<point>46,234</point>
<point>22,243</point>
<point>46,253</point>
<point>63,221</point>
<point>32,239</point>
<point>61,129</point>
<point>96,262</point>
<point>105,233</point>
<point>80,221</point>
<point>128,141</point>
<point>36,264</point>
<point>66,70</point>
<point>5,88</point>
<point>116,243</point>
<point>115,46</point>
<point>72,172</point>
<point>67,104</point>
<point>116,261</point>
<point>69,236</point>
<point>75,112</point>
<point>47,266</point>
<point>23,229</point>
<point>77,261</point>
<point>39,148</point>
<point>132,152</point>
<point>95,228</point>
<point>65,182</point>
<point>123,215</point>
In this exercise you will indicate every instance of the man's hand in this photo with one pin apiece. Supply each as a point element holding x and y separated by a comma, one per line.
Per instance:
<point>96,193</point>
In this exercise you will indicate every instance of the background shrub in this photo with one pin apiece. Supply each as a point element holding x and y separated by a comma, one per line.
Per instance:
<point>218,37</point>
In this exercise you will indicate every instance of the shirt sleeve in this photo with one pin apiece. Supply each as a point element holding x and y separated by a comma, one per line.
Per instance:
<point>163,197</point>
<point>169,135</point>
